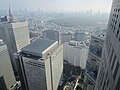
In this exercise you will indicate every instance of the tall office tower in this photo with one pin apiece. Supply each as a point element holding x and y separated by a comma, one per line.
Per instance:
<point>75,53</point>
<point>109,71</point>
<point>7,78</point>
<point>40,65</point>
<point>15,35</point>
<point>94,58</point>
<point>51,35</point>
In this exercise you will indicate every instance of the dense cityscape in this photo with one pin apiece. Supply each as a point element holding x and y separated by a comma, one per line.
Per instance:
<point>41,50</point>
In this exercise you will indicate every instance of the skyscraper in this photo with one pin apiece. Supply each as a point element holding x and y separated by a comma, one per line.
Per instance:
<point>40,65</point>
<point>93,61</point>
<point>15,35</point>
<point>109,71</point>
<point>75,53</point>
<point>7,78</point>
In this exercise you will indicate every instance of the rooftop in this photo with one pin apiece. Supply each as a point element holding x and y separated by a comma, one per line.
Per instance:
<point>77,44</point>
<point>39,47</point>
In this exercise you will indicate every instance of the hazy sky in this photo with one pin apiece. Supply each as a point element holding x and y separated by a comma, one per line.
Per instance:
<point>58,5</point>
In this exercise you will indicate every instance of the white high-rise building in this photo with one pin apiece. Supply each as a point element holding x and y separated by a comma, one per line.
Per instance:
<point>6,70</point>
<point>109,71</point>
<point>15,35</point>
<point>75,53</point>
<point>40,65</point>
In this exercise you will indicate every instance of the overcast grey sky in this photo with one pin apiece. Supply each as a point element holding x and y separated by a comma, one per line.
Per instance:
<point>58,5</point>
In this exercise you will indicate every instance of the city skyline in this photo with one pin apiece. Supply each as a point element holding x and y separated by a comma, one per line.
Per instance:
<point>58,5</point>
<point>59,45</point>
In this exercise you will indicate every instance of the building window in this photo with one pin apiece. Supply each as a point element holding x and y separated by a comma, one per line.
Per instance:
<point>115,22</point>
<point>119,24</point>
<point>114,29</point>
<point>118,10</point>
<point>117,33</point>
<point>117,16</point>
